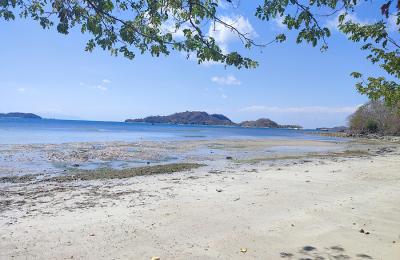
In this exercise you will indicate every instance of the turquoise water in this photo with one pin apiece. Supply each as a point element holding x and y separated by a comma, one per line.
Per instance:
<point>28,131</point>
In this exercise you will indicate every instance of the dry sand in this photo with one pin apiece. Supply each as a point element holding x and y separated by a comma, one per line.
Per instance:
<point>344,206</point>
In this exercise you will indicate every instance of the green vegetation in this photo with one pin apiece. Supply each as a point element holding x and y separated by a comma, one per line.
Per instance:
<point>17,179</point>
<point>188,117</point>
<point>125,27</point>
<point>372,126</point>
<point>376,117</point>
<point>108,173</point>
<point>265,122</point>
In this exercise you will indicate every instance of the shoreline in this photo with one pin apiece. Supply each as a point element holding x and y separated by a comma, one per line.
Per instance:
<point>290,204</point>
<point>65,131</point>
<point>357,136</point>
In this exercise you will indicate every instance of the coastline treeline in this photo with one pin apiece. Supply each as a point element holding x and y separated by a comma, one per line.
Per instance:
<point>376,117</point>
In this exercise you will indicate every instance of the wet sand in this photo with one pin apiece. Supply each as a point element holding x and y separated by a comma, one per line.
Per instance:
<point>271,199</point>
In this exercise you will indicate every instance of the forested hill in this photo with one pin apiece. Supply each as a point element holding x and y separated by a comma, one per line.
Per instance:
<point>192,118</point>
<point>266,123</point>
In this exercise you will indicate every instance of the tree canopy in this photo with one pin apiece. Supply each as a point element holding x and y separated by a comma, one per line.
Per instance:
<point>129,27</point>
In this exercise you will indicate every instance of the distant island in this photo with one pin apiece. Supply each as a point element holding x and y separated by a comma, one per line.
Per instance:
<point>262,122</point>
<point>333,129</point>
<point>189,118</point>
<point>19,115</point>
<point>266,123</point>
<point>203,118</point>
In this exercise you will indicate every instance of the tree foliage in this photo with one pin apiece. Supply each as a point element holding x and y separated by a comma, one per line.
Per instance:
<point>129,27</point>
<point>126,27</point>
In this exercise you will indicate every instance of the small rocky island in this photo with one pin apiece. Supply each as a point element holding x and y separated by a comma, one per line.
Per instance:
<point>203,118</point>
<point>19,115</point>
<point>267,123</point>
<point>262,122</point>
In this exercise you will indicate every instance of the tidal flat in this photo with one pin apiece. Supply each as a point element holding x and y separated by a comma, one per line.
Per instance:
<point>201,199</point>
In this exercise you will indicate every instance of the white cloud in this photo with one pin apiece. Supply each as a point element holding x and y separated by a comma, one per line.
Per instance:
<point>228,80</point>
<point>192,56</point>
<point>101,87</point>
<point>170,27</point>
<point>223,35</point>
<point>305,109</point>
<point>279,22</point>
<point>224,96</point>
<point>225,4</point>
<point>21,90</point>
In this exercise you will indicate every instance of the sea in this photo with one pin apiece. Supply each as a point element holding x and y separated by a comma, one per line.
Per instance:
<point>46,131</point>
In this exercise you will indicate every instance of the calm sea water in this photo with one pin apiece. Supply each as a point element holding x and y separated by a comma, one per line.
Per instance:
<point>26,131</point>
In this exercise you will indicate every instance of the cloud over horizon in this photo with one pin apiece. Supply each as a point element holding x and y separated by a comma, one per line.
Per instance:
<point>307,116</point>
<point>304,109</point>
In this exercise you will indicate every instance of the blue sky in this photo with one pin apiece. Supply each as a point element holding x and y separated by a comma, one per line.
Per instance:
<point>50,74</point>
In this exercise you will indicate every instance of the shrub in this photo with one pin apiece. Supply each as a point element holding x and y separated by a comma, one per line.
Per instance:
<point>376,117</point>
<point>372,126</point>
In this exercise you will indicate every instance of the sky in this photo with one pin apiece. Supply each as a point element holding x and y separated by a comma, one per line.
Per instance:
<point>50,74</point>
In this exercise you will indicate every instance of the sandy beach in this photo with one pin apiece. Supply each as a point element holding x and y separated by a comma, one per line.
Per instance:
<point>226,199</point>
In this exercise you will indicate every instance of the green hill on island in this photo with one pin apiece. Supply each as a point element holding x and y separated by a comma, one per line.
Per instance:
<point>266,123</point>
<point>191,118</point>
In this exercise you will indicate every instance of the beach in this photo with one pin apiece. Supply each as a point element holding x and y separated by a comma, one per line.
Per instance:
<point>200,130</point>
<point>201,199</point>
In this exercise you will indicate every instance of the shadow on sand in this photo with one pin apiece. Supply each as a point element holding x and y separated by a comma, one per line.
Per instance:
<point>328,253</point>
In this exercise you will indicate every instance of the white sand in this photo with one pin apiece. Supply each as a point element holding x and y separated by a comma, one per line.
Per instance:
<point>309,210</point>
